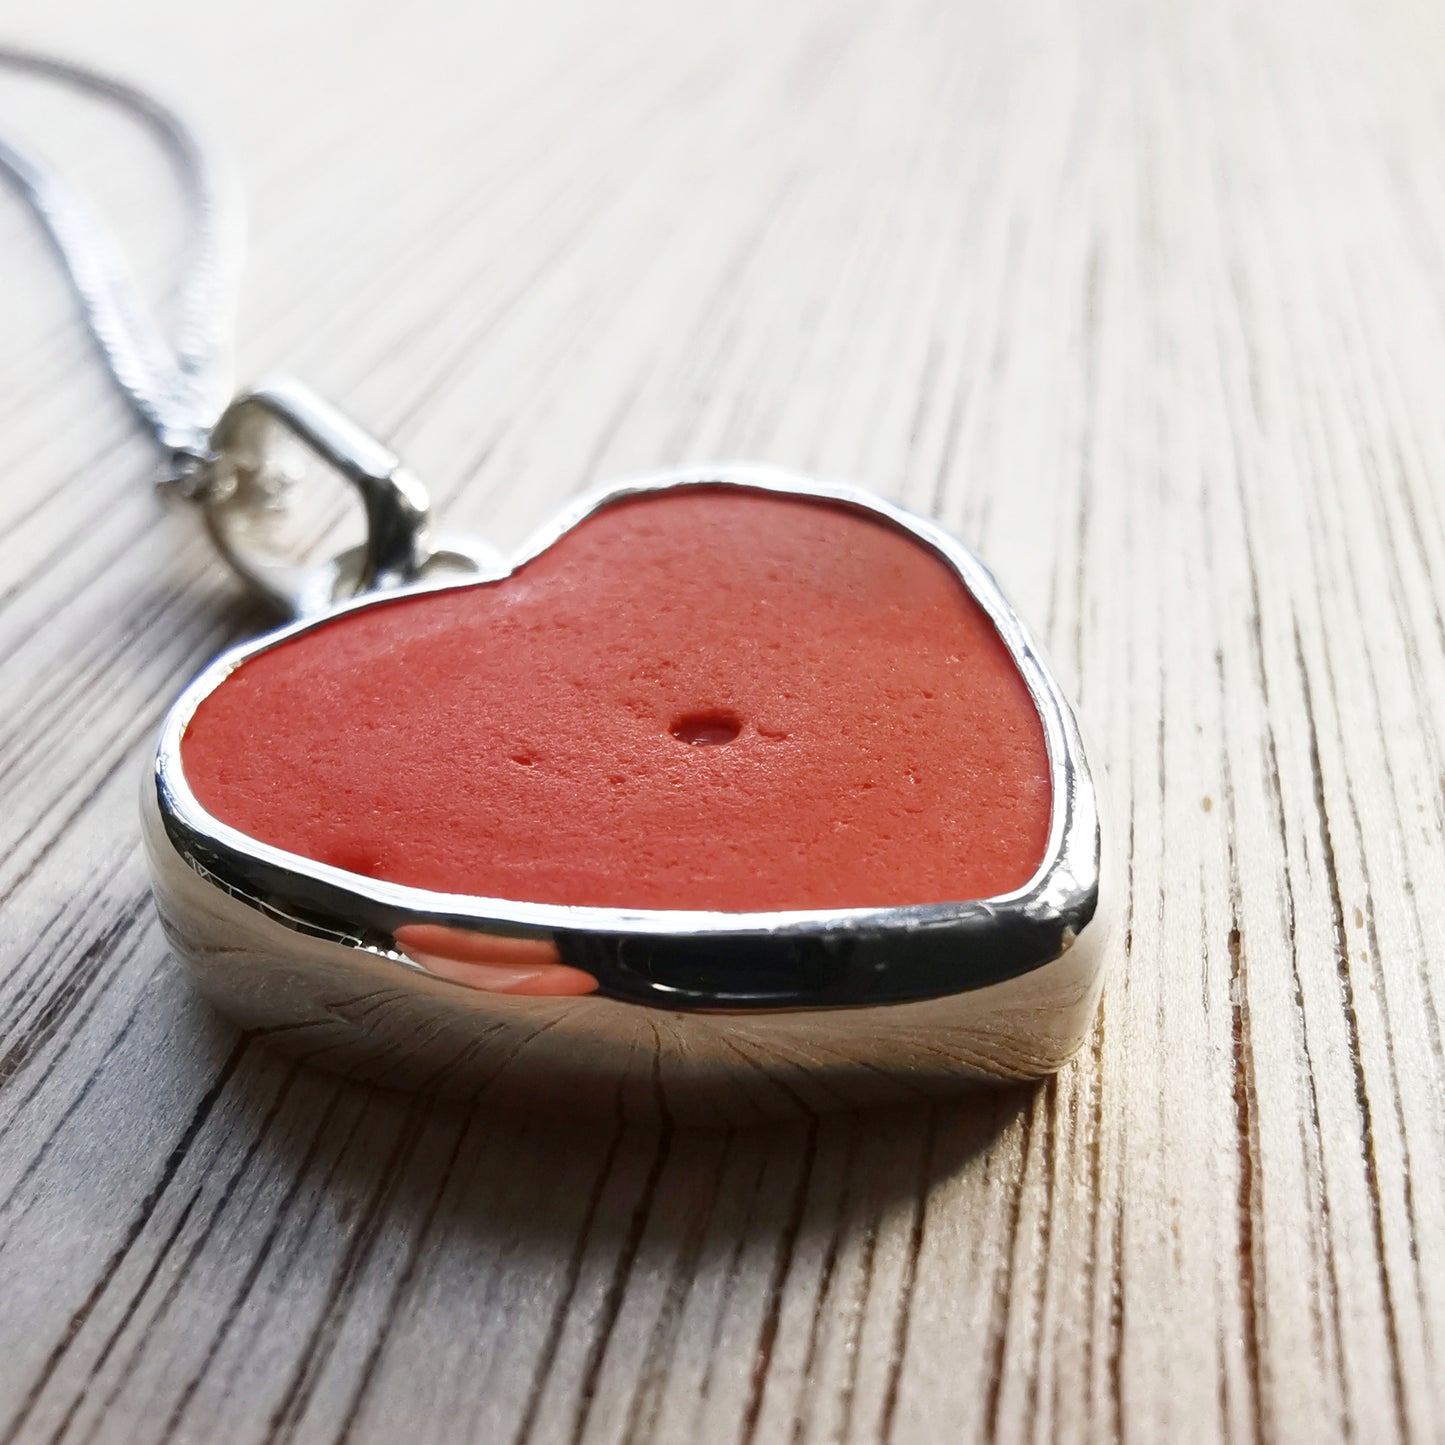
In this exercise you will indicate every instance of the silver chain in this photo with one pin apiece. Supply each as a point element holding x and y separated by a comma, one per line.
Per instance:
<point>178,383</point>
<point>221,450</point>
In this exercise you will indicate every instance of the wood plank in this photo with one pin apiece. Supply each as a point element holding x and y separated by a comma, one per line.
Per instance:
<point>1149,306</point>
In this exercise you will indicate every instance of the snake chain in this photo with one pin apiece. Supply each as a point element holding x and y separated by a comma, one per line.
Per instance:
<point>179,383</point>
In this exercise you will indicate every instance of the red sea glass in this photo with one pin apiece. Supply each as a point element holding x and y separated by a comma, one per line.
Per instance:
<point>696,699</point>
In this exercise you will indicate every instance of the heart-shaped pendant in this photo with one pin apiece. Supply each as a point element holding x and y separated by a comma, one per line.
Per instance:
<point>739,792</point>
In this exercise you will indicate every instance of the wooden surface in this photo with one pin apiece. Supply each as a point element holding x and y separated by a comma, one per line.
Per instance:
<point>1148,303</point>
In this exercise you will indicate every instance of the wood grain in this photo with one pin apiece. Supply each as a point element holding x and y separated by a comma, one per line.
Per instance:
<point>1148,304</point>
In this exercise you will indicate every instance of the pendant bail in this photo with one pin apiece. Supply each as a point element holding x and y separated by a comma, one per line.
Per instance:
<point>244,492</point>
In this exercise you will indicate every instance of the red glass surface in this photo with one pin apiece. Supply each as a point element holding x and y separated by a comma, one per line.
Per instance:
<point>702,698</point>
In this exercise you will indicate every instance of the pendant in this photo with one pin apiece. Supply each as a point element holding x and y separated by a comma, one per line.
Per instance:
<point>739,793</point>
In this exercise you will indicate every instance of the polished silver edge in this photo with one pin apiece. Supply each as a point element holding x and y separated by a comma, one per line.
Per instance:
<point>1063,892</point>
<point>400,548</point>
<point>338,439</point>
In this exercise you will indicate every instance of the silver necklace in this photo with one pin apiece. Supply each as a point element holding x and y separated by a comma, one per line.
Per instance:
<point>661,956</point>
<point>179,385</point>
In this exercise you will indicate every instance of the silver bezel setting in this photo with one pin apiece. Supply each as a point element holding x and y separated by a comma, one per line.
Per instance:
<point>1026,929</point>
